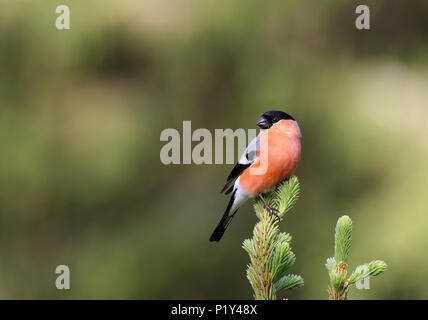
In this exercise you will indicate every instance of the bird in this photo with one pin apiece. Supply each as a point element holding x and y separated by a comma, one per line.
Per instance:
<point>270,158</point>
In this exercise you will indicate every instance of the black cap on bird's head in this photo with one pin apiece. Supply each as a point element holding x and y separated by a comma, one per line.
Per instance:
<point>270,117</point>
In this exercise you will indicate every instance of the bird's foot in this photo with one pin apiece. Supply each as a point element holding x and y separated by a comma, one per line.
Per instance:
<point>273,211</point>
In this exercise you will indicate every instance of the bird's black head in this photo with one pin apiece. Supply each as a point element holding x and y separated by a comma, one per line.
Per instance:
<point>270,117</point>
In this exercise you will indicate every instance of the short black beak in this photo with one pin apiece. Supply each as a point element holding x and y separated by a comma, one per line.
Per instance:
<point>263,123</point>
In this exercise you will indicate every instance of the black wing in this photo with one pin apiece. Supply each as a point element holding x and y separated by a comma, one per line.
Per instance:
<point>247,159</point>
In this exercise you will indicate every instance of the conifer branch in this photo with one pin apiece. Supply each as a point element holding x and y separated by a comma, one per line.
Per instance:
<point>337,266</point>
<point>269,249</point>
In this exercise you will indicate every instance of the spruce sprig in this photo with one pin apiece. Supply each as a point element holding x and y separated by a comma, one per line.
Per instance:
<point>337,266</point>
<point>269,249</point>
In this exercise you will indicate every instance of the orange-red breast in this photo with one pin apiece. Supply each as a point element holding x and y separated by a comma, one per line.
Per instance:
<point>269,159</point>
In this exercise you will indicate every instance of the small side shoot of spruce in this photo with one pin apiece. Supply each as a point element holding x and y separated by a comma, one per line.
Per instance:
<point>337,266</point>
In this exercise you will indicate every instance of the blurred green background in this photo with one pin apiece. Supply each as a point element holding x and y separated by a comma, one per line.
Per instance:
<point>81,112</point>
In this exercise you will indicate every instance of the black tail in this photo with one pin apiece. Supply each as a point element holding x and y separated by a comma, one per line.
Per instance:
<point>224,222</point>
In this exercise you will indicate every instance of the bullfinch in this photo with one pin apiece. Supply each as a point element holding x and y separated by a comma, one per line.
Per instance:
<point>269,159</point>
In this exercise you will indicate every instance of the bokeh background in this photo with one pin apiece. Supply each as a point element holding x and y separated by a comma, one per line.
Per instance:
<point>81,112</point>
